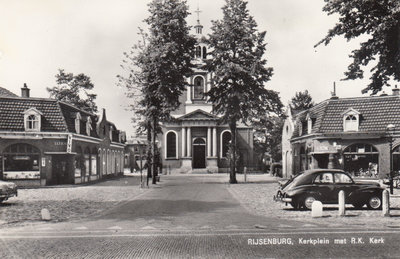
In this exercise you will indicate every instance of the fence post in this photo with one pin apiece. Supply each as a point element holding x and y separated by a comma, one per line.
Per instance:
<point>245,174</point>
<point>386,204</point>
<point>342,204</point>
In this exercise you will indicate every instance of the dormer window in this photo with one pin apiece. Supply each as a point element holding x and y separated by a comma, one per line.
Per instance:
<point>351,120</point>
<point>32,119</point>
<point>111,132</point>
<point>78,123</point>
<point>88,126</point>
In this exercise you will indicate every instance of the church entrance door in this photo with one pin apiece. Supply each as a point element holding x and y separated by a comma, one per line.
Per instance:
<point>199,153</point>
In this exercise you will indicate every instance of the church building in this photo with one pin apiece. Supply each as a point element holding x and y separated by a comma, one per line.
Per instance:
<point>196,141</point>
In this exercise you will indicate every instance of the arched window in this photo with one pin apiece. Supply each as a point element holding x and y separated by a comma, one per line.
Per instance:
<point>204,52</point>
<point>198,88</point>
<point>225,140</point>
<point>351,123</point>
<point>198,52</point>
<point>361,160</point>
<point>21,161</point>
<point>171,151</point>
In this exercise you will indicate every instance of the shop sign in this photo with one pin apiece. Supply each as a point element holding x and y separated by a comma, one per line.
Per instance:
<point>69,143</point>
<point>21,158</point>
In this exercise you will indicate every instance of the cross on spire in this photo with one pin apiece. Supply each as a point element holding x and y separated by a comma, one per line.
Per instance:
<point>198,14</point>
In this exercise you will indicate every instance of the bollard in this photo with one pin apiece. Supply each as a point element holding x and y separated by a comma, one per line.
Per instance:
<point>245,174</point>
<point>316,209</point>
<point>342,204</point>
<point>386,204</point>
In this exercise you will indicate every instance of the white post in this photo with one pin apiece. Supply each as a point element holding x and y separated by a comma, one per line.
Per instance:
<point>208,142</point>
<point>189,142</point>
<point>342,203</point>
<point>386,204</point>
<point>183,142</point>
<point>245,174</point>
<point>214,153</point>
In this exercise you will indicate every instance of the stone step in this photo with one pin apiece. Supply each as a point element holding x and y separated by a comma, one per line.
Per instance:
<point>199,171</point>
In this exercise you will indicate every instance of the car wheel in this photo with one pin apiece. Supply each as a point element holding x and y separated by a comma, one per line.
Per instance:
<point>374,202</point>
<point>295,205</point>
<point>308,200</point>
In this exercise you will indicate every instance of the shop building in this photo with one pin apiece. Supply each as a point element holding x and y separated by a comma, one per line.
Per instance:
<point>196,141</point>
<point>48,142</point>
<point>353,134</point>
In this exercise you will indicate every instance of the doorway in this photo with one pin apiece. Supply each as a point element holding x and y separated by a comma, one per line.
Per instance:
<point>60,170</point>
<point>199,153</point>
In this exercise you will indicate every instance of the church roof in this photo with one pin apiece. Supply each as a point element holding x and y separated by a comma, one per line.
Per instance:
<point>198,115</point>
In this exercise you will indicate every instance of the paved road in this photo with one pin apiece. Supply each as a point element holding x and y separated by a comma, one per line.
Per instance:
<point>191,216</point>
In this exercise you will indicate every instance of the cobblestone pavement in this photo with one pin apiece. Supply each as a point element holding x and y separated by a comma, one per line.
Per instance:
<point>256,196</point>
<point>195,216</point>
<point>67,203</point>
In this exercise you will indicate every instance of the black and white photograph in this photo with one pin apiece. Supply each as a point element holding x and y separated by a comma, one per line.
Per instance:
<point>199,129</point>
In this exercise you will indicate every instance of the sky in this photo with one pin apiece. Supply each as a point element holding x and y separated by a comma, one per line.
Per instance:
<point>38,37</point>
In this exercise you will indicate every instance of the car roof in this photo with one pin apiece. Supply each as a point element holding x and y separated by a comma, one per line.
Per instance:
<point>314,171</point>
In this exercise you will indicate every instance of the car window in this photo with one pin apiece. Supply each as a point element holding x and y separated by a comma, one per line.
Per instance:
<point>342,178</point>
<point>324,178</point>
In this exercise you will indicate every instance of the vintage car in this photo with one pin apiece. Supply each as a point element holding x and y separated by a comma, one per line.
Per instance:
<point>7,190</point>
<point>324,185</point>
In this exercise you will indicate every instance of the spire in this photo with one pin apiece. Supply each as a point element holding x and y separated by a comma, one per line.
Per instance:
<point>198,27</point>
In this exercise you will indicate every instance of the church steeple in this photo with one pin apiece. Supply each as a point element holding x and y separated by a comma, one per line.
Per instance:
<point>198,26</point>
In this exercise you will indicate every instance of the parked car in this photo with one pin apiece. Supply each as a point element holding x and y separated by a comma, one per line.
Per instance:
<point>324,185</point>
<point>7,190</point>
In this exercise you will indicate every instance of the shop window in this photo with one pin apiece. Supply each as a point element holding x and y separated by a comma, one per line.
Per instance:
<point>171,145</point>
<point>198,88</point>
<point>78,162</point>
<point>361,160</point>
<point>78,123</point>
<point>32,119</point>
<point>226,139</point>
<point>21,161</point>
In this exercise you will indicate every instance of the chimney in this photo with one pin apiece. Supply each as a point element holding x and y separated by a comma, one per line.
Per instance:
<point>334,97</point>
<point>396,91</point>
<point>25,91</point>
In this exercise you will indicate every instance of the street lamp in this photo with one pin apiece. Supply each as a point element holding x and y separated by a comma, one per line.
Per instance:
<point>390,130</point>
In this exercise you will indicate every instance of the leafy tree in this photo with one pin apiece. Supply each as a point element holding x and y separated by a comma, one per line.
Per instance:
<point>239,71</point>
<point>157,66</point>
<point>301,101</point>
<point>380,21</point>
<point>70,89</point>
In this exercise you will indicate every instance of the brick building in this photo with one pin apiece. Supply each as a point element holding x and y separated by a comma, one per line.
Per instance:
<point>352,134</point>
<point>48,142</point>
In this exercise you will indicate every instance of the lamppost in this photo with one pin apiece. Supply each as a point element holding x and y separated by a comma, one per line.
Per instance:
<point>390,130</point>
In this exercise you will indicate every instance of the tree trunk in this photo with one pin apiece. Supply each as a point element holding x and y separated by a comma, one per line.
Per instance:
<point>232,174</point>
<point>148,153</point>
<point>153,151</point>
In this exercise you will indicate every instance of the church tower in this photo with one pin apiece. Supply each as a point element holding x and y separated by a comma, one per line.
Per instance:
<point>195,141</point>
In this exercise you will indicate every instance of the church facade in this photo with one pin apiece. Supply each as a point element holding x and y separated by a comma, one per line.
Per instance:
<point>196,141</point>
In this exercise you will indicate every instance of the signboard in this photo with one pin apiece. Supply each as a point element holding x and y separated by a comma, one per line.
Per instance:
<point>69,143</point>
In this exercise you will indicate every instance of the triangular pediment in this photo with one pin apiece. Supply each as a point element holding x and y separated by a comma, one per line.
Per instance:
<point>198,115</point>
